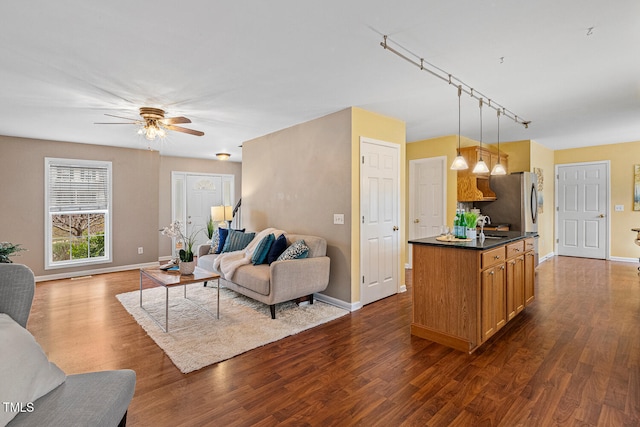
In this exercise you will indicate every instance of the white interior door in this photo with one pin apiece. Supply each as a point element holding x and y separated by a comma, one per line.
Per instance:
<point>427,200</point>
<point>203,192</point>
<point>582,209</point>
<point>379,207</point>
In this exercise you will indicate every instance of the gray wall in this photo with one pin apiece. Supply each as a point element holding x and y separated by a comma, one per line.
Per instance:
<point>296,179</point>
<point>141,197</point>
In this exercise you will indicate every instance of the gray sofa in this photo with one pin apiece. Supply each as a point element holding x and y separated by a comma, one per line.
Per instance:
<point>89,399</point>
<point>282,280</point>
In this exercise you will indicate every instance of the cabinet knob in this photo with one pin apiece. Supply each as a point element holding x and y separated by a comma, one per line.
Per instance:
<point>496,257</point>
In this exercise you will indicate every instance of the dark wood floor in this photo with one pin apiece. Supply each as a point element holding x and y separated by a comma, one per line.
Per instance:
<point>572,358</point>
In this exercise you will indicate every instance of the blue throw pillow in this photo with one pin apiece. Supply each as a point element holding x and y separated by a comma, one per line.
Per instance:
<point>223,233</point>
<point>277,248</point>
<point>262,250</point>
<point>222,238</point>
<point>237,240</point>
<point>297,250</point>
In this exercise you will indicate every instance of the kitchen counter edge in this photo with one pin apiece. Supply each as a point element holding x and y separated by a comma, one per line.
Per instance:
<point>505,237</point>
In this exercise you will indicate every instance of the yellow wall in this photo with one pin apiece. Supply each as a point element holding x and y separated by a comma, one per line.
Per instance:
<point>383,128</point>
<point>542,157</point>
<point>622,158</point>
<point>519,153</point>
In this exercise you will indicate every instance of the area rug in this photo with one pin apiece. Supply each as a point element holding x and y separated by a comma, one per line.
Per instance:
<point>197,339</point>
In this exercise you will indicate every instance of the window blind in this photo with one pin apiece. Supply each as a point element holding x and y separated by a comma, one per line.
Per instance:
<point>78,188</point>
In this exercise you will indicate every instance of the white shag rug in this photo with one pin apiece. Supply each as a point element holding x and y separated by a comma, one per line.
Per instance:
<point>197,339</point>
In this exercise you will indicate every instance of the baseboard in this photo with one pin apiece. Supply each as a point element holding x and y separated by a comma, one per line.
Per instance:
<point>337,302</point>
<point>85,273</point>
<point>623,259</point>
<point>546,257</point>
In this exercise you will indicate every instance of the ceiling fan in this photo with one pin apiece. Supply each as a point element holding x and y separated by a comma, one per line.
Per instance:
<point>153,123</point>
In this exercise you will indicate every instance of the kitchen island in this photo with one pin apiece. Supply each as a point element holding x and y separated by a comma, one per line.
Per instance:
<point>465,291</point>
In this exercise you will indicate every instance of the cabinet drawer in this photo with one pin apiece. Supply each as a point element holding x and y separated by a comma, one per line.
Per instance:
<point>492,257</point>
<point>515,249</point>
<point>529,244</point>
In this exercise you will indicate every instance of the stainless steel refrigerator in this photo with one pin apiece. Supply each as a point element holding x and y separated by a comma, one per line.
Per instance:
<point>516,202</point>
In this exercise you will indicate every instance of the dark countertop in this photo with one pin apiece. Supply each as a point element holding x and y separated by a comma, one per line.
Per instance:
<point>489,242</point>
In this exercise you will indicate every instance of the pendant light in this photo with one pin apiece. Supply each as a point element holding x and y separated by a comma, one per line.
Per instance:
<point>498,169</point>
<point>459,163</point>
<point>481,166</point>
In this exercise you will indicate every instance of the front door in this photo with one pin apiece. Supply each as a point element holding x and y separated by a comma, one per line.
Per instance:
<point>582,212</point>
<point>379,208</point>
<point>203,192</point>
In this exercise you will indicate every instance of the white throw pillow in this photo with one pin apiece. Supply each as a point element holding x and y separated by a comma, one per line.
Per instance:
<point>25,371</point>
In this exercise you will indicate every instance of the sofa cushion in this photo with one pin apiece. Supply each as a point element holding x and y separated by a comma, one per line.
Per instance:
<point>25,370</point>
<point>277,248</point>
<point>262,250</point>
<point>297,250</point>
<point>237,240</point>
<point>254,277</point>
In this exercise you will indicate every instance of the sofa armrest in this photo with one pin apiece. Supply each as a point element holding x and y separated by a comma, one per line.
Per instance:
<point>203,249</point>
<point>98,399</point>
<point>299,277</point>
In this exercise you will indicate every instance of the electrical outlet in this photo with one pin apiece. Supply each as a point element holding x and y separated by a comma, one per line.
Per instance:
<point>140,250</point>
<point>619,208</point>
<point>338,218</point>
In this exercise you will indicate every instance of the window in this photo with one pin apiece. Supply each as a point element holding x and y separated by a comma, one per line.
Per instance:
<point>78,212</point>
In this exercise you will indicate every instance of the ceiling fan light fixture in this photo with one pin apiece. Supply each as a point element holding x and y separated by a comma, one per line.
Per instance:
<point>152,130</point>
<point>223,156</point>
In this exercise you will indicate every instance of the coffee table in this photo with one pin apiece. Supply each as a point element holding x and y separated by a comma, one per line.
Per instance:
<point>171,278</point>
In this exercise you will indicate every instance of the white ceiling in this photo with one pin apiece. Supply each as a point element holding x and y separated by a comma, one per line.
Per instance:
<point>242,69</point>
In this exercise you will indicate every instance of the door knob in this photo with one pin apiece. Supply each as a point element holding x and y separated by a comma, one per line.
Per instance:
<point>395,228</point>
<point>417,220</point>
<point>601,216</point>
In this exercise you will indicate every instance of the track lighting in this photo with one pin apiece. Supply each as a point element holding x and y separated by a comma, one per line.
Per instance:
<point>459,163</point>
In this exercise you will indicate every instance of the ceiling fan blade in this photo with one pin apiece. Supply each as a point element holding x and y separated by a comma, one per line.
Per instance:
<point>120,117</point>
<point>113,123</point>
<point>185,130</point>
<point>174,120</point>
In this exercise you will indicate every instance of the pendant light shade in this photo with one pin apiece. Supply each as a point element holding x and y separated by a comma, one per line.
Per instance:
<point>459,163</point>
<point>498,169</point>
<point>481,166</point>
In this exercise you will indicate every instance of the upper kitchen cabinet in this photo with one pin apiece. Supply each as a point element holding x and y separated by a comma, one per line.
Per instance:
<point>474,187</point>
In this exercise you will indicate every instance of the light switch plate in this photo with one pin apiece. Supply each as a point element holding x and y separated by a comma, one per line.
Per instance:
<point>619,208</point>
<point>338,218</point>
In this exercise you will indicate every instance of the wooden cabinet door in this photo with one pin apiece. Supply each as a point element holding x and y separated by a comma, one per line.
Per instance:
<point>529,277</point>
<point>515,286</point>
<point>500,297</point>
<point>492,297</point>
<point>487,315</point>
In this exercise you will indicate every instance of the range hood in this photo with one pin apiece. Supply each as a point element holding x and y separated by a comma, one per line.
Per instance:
<point>474,189</point>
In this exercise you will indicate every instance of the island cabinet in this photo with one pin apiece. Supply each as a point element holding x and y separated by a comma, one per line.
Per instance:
<point>464,293</point>
<point>492,292</point>
<point>515,279</point>
<point>529,271</point>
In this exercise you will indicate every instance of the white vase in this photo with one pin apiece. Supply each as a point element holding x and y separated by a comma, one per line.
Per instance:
<point>471,233</point>
<point>187,267</point>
